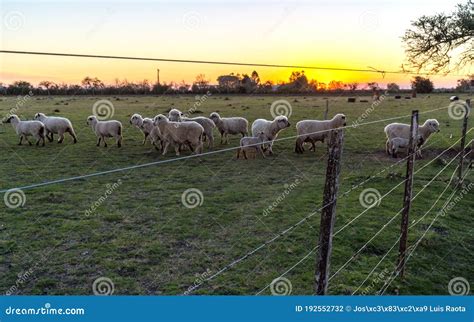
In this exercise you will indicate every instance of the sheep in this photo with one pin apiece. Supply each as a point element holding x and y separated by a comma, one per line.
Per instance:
<point>401,130</point>
<point>398,143</point>
<point>176,115</point>
<point>229,125</point>
<point>270,128</point>
<point>252,142</point>
<point>314,130</point>
<point>56,125</point>
<point>106,129</point>
<point>178,133</point>
<point>24,129</point>
<point>154,134</point>
<point>137,120</point>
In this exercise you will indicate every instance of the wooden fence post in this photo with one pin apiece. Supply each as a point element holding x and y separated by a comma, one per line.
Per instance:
<point>327,110</point>
<point>328,213</point>
<point>408,192</point>
<point>463,142</point>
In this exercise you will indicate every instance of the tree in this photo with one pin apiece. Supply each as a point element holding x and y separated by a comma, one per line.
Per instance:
<point>432,42</point>
<point>393,88</point>
<point>335,85</point>
<point>464,84</point>
<point>46,84</point>
<point>422,85</point>
<point>229,83</point>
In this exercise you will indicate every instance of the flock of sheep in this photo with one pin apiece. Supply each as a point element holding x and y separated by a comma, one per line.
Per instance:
<point>179,131</point>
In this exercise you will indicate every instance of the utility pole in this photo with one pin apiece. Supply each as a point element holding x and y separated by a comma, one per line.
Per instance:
<point>157,76</point>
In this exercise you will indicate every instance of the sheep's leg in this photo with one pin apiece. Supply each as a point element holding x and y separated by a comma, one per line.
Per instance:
<point>238,153</point>
<point>105,143</point>
<point>119,141</point>
<point>211,141</point>
<point>176,149</point>
<point>144,139</point>
<point>71,132</point>
<point>222,137</point>
<point>98,141</point>
<point>313,146</point>
<point>387,148</point>
<point>27,140</point>
<point>61,137</point>
<point>165,148</point>
<point>21,139</point>
<point>245,154</point>
<point>49,135</point>
<point>261,151</point>
<point>270,150</point>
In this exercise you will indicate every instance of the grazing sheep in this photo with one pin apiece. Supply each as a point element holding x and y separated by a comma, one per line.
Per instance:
<point>314,130</point>
<point>178,133</point>
<point>250,143</point>
<point>401,130</point>
<point>137,120</point>
<point>106,129</point>
<point>270,128</point>
<point>401,143</point>
<point>56,125</point>
<point>176,115</point>
<point>24,129</point>
<point>154,134</point>
<point>229,125</point>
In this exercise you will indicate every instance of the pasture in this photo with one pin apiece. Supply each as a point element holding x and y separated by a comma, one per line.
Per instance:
<point>133,227</point>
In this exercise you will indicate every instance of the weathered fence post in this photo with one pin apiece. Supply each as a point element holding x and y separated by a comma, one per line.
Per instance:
<point>328,212</point>
<point>463,142</point>
<point>408,192</point>
<point>327,110</point>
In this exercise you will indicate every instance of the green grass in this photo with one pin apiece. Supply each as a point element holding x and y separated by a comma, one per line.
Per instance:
<point>144,239</point>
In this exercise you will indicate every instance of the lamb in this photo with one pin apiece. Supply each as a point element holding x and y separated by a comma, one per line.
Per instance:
<point>401,143</point>
<point>401,130</point>
<point>178,133</point>
<point>106,129</point>
<point>270,128</point>
<point>137,120</point>
<point>252,142</point>
<point>314,130</point>
<point>229,125</point>
<point>154,134</point>
<point>24,129</point>
<point>56,125</point>
<point>176,115</point>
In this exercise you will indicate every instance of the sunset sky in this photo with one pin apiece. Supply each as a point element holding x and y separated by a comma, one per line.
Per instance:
<point>354,34</point>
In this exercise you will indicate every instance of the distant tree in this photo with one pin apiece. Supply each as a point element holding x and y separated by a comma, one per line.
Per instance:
<point>46,85</point>
<point>422,85</point>
<point>20,88</point>
<point>335,85</point>
<point>352,86</point>
<point>229,83</point>
<point>255,77</point>
<point>433,40</point>
<point>465,84</point>
<point>393,88</point>
<point>201,84</point>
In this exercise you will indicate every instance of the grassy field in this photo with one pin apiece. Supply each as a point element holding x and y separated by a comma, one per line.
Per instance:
<point>146,241</point>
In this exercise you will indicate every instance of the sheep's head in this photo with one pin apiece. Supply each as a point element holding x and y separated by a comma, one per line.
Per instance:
<point>136,120</point>
<point>282,122</point>
<point>160,118</point>
<point>91,119</point>
<point>214,117</point>
<point>39,116</point>
<point>10,118</point>
<point>262,136</point>
<point>148,124</point>
<point>340,120</point>
<point>175,115</point>
<point>432,125</point>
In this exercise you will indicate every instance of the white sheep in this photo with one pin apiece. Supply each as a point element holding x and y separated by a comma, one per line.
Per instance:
<point>314,130</point>
<point>106,129</point>
<point>401,130</point>
<point>25,129</point>
<point>176,115</point>
<point>154,134</point>
<point>270,128</point>
<point>252,143</point>
<point>137,120</point>
<point>180,133</point>
<point>56,125</point>
<point>398,143</point>
<point>229,125</point>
